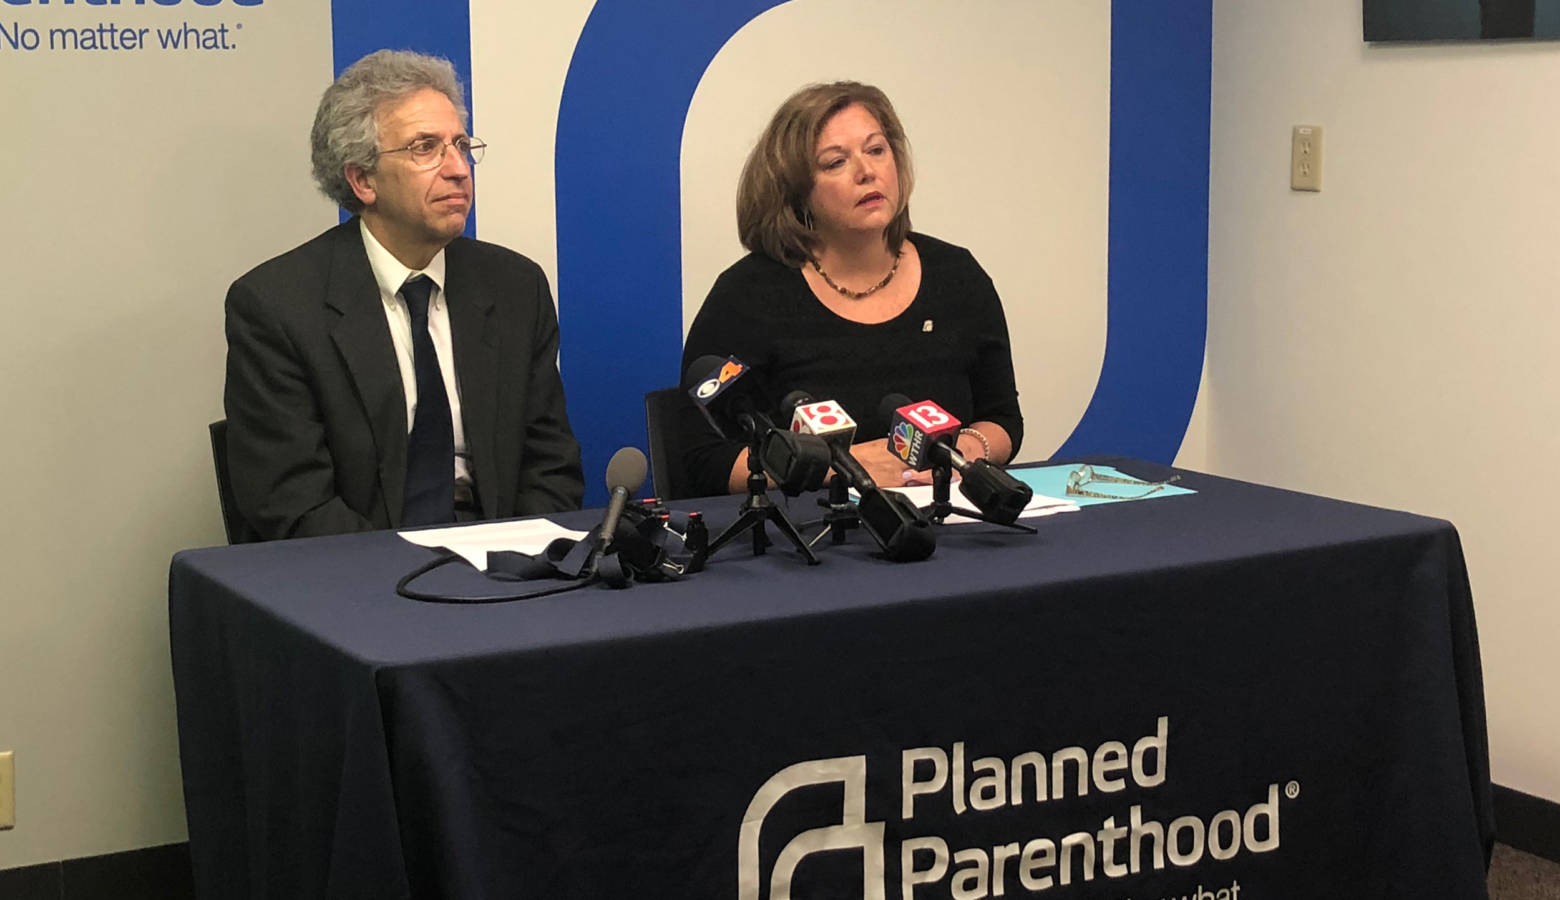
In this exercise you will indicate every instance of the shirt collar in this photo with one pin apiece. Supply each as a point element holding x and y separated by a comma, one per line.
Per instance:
<point>390,273</point>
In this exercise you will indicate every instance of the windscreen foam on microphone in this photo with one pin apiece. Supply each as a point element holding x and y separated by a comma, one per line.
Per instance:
<point>701,368</point>
<point>627,470</point>
<point>890,404</point>
<point>791,401</point>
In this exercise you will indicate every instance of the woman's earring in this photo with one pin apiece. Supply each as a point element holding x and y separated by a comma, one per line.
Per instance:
<point>807,219</point>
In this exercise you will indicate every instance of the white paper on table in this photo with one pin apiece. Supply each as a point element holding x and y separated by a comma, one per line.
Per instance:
<point>1039,504</point>
<point>529,536</point>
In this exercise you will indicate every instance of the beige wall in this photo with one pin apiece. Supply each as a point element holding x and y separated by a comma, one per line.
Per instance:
<point>1382,341</point>
<point>1395,339</point>
<point>136,187</point>
<point>1007,107</point>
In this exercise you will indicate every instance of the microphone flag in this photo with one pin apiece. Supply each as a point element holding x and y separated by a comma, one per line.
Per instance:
<point>827,420</point>
<point>915,427</point>
<point>711,382</point>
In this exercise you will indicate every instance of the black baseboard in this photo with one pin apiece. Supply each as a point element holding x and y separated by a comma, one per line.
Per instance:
<point>1528,823</point>
<point>156,873</point>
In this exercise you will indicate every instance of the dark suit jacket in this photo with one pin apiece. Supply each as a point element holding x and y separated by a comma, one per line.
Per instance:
<point>315,406</point>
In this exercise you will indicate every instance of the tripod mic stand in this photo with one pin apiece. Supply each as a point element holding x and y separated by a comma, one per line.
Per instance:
<point>758,508</point>
<point>941,506</point>
<point>842,514</point>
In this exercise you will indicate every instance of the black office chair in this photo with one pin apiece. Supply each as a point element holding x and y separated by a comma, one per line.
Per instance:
<point>237,529</point>
<point>666,458</point>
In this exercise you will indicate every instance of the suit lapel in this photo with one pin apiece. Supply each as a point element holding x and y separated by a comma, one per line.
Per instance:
<point>363,338</point>
<point>476,368</point>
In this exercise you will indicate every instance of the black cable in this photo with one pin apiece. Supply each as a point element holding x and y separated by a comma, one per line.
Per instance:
<point>403,587</point>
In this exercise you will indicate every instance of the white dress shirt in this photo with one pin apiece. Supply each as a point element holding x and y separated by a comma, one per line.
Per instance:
<point>390,274</point>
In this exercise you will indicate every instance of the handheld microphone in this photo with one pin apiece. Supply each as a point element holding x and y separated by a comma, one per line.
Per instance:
<point>721,393</point>
<point>824,418</point>
<point>898,527</point>
<point>994,492</point>
<point>625,476</point>
<point>797,462</point>
<point>891,518</point>
<point>916,430</point>
<point>829,421</point>
<point>922,434</point>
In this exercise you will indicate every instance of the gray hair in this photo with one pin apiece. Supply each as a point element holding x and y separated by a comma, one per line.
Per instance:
<point>346,125</point>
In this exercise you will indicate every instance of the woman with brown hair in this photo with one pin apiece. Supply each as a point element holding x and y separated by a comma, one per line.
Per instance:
<point>838,297</point>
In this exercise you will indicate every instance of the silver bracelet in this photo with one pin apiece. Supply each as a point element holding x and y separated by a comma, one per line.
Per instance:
<point>985,445</point>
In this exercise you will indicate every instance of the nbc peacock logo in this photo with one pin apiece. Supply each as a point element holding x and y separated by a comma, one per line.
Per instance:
<point>902,439</point>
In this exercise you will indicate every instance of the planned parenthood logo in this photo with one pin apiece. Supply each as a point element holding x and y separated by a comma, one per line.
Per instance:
<point>1123,844</point>
<point>64,27</point>
<point>853,831</point>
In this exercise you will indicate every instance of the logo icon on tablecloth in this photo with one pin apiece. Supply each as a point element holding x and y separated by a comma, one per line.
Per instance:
<point>850,772</point>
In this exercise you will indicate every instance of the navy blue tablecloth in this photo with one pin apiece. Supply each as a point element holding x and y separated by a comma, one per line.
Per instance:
<point>1241,693</point>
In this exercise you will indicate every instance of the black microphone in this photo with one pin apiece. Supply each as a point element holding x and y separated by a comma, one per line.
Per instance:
<point>725,397</point>
<point>625,476</point>
<point>891,518</point>
<point>829,421</point>
<point>994,492</point>
<point>898,527</point>
<point>797,462</point>
<point>911,436</point>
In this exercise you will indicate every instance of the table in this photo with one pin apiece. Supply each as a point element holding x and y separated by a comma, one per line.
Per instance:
<point>1244,692</point>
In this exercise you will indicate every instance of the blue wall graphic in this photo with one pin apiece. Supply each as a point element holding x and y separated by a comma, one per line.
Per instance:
<point>1157,297</point>
<point>437,27</point>
<point>620,128</point>
<point>620,123</point>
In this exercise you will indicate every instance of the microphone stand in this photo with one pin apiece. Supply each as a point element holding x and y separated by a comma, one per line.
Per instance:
<point>941,506</point>
<point>842,514</point>
<point>758,508</point>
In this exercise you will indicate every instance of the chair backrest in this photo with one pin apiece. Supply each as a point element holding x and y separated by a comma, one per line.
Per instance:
<point>237,529</point>
<point>666,462</point>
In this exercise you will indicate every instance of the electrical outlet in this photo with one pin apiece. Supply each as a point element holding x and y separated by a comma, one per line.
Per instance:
<point>7,790</point>
<point>1305,158</point>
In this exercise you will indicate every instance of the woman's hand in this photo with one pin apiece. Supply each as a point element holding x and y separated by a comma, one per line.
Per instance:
<point>885,468</point>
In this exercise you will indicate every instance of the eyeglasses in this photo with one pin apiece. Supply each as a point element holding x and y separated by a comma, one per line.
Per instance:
<point>428,152</point>
<point>1083,475</point>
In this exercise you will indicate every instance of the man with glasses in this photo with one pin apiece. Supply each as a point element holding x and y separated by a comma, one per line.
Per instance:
<point>391,372</point>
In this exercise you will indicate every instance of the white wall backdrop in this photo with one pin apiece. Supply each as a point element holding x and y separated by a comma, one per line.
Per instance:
<point>153,178</point>
<point>1007,106</point>
<point>138,184</point>
<point>520,56</point>
<point>1392,339</point>
<point>1388,340</point>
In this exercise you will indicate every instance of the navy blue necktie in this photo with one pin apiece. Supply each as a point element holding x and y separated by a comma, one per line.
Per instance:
<point>430,448</point>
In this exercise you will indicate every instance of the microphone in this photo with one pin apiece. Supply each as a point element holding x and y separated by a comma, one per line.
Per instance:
<point>719,390</point>
<point>916,430</point>
<point>797,462</point>
<point>824,418</point>
<point>830,421</point>
<point>897,526</point>
<point>994,492</point>
<point>922,434</point>
<point>625,476</point>
<point>891,518</point>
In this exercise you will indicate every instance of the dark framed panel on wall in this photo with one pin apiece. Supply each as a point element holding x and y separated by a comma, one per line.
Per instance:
<point>1456,20</point>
